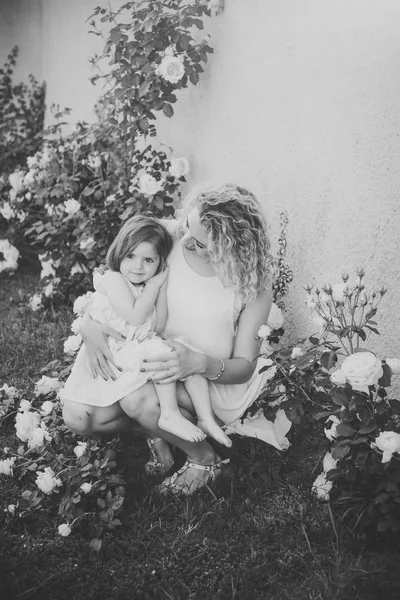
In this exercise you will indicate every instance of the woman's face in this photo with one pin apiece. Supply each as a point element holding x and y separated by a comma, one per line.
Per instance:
<point>195,238</point>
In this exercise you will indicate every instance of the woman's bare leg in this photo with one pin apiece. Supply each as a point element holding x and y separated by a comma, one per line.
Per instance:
<point>198,389</point>
<point>84,419</point>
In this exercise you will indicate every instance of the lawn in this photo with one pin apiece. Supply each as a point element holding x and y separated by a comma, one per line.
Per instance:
<point>258,534</point>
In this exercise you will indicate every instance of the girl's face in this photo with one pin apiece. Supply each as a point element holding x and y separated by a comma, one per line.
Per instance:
<point>195,238</point>
<point>141,264</point>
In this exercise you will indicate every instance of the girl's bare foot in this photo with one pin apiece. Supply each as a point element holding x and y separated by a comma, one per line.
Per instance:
<point>177,425</point>
<point>211,428</point>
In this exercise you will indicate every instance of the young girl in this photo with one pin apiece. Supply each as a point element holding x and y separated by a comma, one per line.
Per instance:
<point>131,298</point>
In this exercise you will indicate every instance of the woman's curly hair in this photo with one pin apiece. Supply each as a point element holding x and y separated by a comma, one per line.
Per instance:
<point>238,242</point>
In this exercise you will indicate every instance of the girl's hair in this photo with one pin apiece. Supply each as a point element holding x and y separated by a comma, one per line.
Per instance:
<point>237,239</point>
<point>135,231</point>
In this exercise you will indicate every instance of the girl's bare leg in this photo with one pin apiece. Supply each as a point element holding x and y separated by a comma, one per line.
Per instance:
<point>198,389</point>
<point>143,406</point>
<point>172,420</point>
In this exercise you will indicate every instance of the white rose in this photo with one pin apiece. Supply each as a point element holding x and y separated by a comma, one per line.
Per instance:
<point>39,435</point>
<point>11,509</point>
<point>87,243</point>
<point>321,487</point>
<point>86,487</point>
<point>394,364</point>
<point>6,466</point>
<point>72,344</point>
<point>16,180</point>
<point>35,302</point>
<point>179,167</point>
<point>6,211</point>
<point>48,269</point>
<point>388,442</point>
<point>362,370</point>
<point>45,385</point>
<point>149,185</point>
<point>296,353</point>
<point>72,206</point>
<point>170,51</point>
<point>77,269</point>
<point>25,424</point>
<point>8,256</point>
<point>25,405</point>
<point>275,317</point>
<point>324,297</point>
<point>331,433</point>
<point>64,530</point>
<point>29,178</point>
<point>329,462</point>
<point>171,68</point>
<point>47,482</point>
<point>80,449</point>
<point>338,377</point>
<point>75,325</point>
<point>81,304</point>
<point>338,291</point>
<point>9,390</point>
<point>264,331</point>
<point>47,407</point>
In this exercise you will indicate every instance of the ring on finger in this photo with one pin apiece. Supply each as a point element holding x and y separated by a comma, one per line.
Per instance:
<point>170,373</point>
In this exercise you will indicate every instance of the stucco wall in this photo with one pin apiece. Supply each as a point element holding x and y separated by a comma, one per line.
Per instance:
<point>300,103</point>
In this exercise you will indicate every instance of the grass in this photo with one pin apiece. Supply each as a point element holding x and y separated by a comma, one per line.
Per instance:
<point>258,534</point>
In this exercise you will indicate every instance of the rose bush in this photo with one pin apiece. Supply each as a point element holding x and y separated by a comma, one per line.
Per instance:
<point>66,203</point>
<point>345,387</point>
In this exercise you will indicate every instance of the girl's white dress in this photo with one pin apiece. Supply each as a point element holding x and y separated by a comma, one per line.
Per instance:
<point>140,341</point>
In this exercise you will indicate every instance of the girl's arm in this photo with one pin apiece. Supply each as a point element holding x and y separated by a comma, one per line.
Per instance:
<point>238,368</point>
<point>161,308</point>
<point>117,290</point>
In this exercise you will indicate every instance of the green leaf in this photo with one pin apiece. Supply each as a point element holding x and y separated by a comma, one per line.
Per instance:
<point>368,428</point>
<point>168,110</point>
<point>386,378</point>
<point>340,452</point>
<point>96,544</point>
<point>344,430</point>
<point>328,360</point>
<point>194,77</point>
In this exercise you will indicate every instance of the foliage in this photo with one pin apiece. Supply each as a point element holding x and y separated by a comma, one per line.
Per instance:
<point>67,204</point>
<point>61,477</point>
<point>284,274</point>
<point>22,110</point>
<point>362,420</point>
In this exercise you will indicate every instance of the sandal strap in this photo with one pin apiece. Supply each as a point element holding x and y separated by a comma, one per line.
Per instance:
<point>210,468</point>
<point>151,441</point>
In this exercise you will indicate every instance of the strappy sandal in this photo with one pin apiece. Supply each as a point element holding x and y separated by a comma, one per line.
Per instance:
<point>169,485</point>
<point>154,466</point>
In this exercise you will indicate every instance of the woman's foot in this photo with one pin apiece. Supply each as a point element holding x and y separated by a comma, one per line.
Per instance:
<point>193,476</point>
<point>177,425</point>
<point>211,428</point>
<point>161,457</point>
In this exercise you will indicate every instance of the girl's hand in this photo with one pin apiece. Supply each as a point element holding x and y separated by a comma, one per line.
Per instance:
<point>175,363</point>
<point>161,278</point>
<point>94,337</point>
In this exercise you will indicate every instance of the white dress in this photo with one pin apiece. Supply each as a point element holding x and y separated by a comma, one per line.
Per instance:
<point>204,312</point>
<point>140,341</point>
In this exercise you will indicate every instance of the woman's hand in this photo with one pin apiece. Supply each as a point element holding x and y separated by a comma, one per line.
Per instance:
<point>160,279</point>
<point>94,335</point>
<point>175,363</point>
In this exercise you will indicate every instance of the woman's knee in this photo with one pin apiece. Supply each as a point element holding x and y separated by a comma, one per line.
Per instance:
<point>142,406</point>
<point>78,418</point>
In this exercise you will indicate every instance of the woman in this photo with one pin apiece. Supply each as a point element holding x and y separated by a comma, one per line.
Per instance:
<point>219,293</point>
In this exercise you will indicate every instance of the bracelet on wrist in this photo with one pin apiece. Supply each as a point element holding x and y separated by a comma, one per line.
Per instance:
<point>221,371</point>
